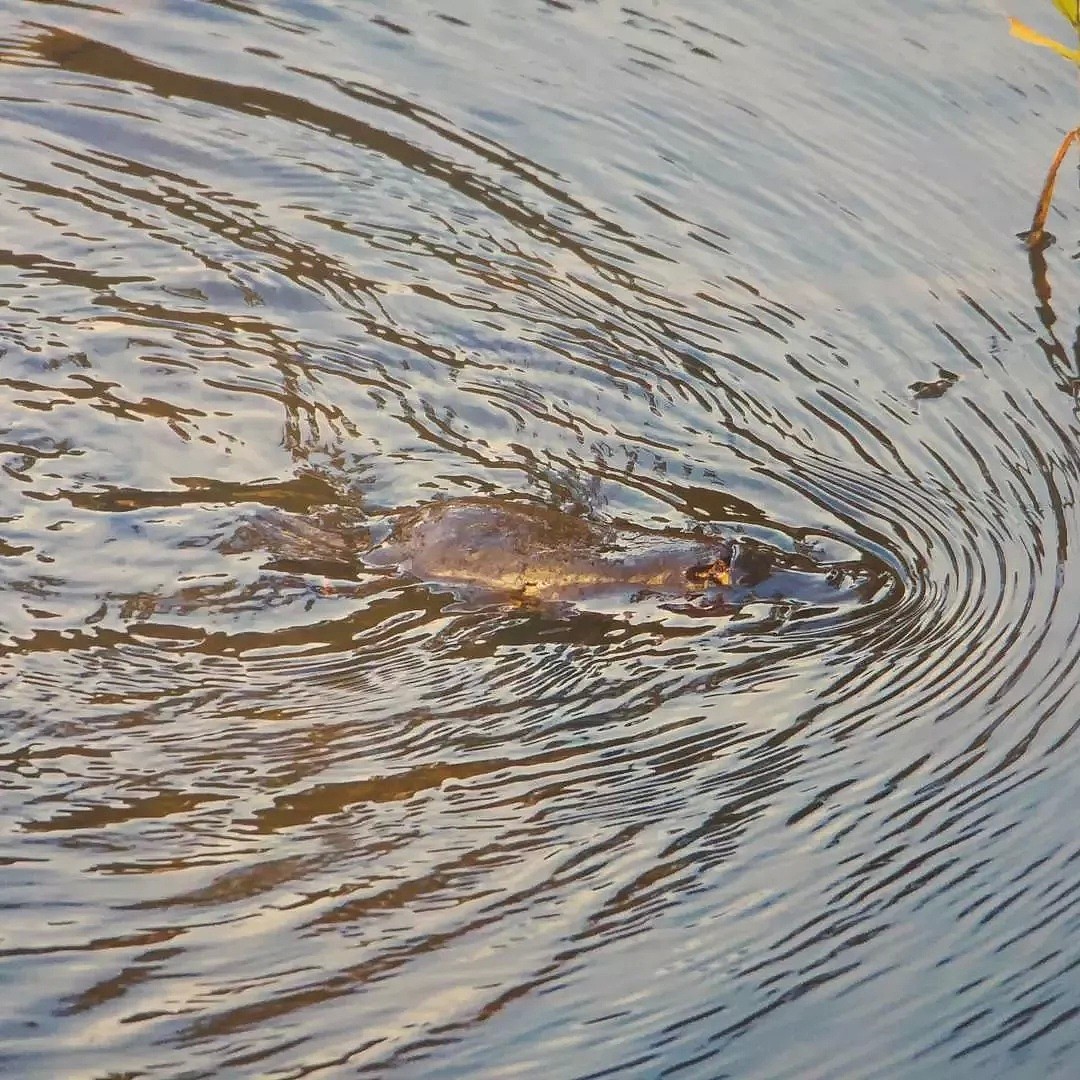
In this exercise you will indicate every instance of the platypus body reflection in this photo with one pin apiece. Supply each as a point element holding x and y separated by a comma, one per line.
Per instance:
<point>533,552</point>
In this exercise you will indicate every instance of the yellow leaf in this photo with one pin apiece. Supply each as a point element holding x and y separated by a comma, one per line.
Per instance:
<point>1071,10</point>
<point>1025,33</point>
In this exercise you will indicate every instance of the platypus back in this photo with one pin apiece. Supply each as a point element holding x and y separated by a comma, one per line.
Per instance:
<point>524,548</point>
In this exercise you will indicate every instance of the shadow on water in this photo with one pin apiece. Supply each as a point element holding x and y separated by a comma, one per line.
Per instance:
<point>1064,360</point>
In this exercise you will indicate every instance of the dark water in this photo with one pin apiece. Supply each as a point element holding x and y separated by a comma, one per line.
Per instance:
<point>733,264</point>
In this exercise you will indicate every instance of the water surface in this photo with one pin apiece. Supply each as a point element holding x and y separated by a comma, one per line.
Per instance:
<point>723,265</point>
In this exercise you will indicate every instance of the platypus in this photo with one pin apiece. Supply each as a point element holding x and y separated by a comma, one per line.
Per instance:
<point>509,549</point>
<point>533,551</point>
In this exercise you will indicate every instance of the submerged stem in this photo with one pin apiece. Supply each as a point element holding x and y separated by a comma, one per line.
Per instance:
<point>1037,236</point>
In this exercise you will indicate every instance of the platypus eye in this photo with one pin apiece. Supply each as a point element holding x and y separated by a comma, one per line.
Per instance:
<point>717,572</point>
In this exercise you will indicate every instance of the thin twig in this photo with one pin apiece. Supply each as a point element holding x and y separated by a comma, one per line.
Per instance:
<point>1037,236</point>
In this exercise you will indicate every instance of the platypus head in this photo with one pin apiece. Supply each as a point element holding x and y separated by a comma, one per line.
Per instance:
<point>736,564</point>
<point>716,571</point>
